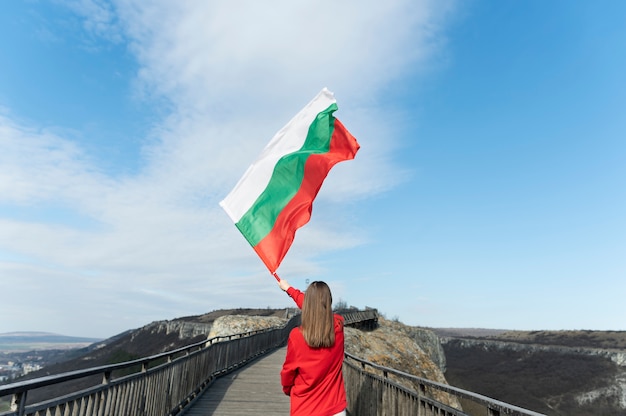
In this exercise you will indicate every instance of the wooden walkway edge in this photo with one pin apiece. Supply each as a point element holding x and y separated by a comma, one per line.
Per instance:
<point>251,390</point>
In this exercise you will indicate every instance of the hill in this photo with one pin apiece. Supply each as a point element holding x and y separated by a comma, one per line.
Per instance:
<point>571,373</point>
<point>30,341</point>
<point>580,338</point>
<point>151,339</point>
<point>559,373</point>
<point>420,349</point>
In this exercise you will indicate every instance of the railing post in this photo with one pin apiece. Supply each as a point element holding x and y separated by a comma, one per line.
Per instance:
<point>138,392</point>
<point>423,394</point>
<point>106,377</point>
<point>18,403</point>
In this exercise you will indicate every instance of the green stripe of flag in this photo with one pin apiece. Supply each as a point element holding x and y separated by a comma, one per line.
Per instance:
<point>286,179</point>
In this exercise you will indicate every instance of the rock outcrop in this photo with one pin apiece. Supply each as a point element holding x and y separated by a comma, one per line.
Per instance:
<point>182,329</point>
<point>412,350</point>
<point>239,324</point>
<point>395,345</point>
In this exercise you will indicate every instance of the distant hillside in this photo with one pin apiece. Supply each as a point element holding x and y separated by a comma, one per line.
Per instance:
<point>410,347</point>
<point>566,338</point>
<point>29,341</point>
<point>559,373</point>
<point>468,332</point>
<point>586,338</point>
<point>154,338</point>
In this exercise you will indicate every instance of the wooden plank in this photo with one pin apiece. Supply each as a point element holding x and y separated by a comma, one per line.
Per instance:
<point>252,390</point>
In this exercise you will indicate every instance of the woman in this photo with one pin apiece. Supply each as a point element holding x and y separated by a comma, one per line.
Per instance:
<point>312,373</point>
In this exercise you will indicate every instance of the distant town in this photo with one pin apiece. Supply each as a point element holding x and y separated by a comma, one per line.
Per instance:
<point>10,370</point>
<point>22,353</point>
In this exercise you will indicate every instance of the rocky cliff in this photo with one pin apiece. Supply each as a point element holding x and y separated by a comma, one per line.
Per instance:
<point>408,349</point>
<point>616,355</point>
<point>553,379</point>
<point>180,329</point>
<point>239,324</point>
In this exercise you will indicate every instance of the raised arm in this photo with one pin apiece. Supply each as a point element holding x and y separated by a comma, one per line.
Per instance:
<point>294,293</point>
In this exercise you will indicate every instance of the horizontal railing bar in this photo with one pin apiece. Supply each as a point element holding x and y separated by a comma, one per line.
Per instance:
<point>44,381</point>
<point>180,356</point>
<point>237,350</point>
<point>125,379</point>
<point>488,402</point>
<point>407,390</point>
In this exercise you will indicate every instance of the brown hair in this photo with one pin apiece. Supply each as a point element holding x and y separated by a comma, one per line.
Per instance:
<point>317,316</point>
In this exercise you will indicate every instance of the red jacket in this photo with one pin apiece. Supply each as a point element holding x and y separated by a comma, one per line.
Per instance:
<point>312,377</point>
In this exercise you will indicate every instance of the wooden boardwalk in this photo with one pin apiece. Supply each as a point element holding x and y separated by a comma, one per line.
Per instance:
<point>252,390</point>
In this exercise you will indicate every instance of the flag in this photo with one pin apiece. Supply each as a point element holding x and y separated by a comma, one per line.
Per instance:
<point>275,195</point>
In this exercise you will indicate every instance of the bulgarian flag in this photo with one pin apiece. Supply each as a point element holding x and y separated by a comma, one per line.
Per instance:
<point>275,196</point>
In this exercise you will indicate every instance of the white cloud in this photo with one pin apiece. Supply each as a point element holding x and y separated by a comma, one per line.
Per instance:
<point>99,18</point>
<point>157,245</point>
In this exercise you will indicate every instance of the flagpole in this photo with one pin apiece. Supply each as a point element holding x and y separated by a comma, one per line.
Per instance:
<point>276,276</point>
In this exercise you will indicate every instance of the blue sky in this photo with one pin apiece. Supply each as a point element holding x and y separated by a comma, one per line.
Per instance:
<point>489,190</point>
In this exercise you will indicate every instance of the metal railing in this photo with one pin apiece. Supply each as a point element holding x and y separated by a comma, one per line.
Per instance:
<point>361,319</point>
<point>374,390</point>
<point>162,384</point>
<point>167,383</point>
